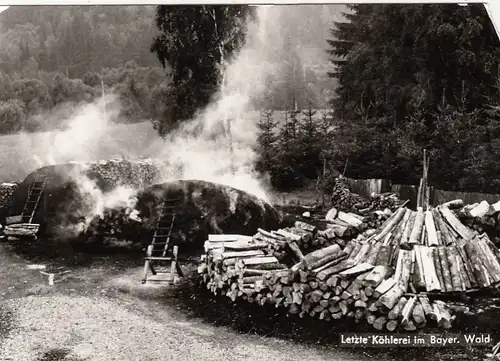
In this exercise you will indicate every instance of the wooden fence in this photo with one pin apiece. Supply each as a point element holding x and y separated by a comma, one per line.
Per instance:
<point>365,187</point>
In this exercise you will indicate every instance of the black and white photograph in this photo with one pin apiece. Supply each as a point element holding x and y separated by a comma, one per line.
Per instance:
<point>276,182</point>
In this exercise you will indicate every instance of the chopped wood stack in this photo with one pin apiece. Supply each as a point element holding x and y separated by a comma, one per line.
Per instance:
<point>133,173</point>
<point>234,264</point>
<point>285,243</point>
<point>330,284</point>
<point>344,224</point>
<point>6,192</point>
<point>347,201</point>
<point>390,278</point>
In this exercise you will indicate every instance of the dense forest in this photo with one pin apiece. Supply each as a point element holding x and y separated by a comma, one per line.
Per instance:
<point>410,77</point>
<point>55,55</point>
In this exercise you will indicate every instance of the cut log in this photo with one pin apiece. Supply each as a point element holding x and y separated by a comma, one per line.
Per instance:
<point>480,273</point>
<point>344,265</point>
<point>379,323</point>
<point>416,232</point>
<point>289,235</point>
<point>407,311</point>
<point>418,315</point>
<point>454,204</point>
<point>349,219</point>
<point>242,254</point>
<point>442,227</point>
<point>390,298</point>
<point>480,210</point>
<point>305,226</point>
<point>489,260</point>
<point>437,268</point>
<point>432,238</point>
<point>333,260</point>
<point>392,325</point>
<point>463,231</point>
<point>373,255</point>
<point>363,252</point>
<point>317,255</point>
<point>468,268</point>
<point>385,286</point>
<point>376,276</point>
<point>384,256</point>
<point>426,306</point>
<point>400,228</point>
<point>340,231</point>
<point>397,309</point>
<point>429,271</point>
<point>443,316</point>
<point>418,278</point>
<point>292,245</point>
<point>445,270</point>
<point>395,219</point>
<point>356,270</point>
<point>331,214</point>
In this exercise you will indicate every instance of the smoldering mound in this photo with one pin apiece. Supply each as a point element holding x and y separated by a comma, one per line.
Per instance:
<point>64,204</point>
<point>203,207</point>
<point>206,208</point>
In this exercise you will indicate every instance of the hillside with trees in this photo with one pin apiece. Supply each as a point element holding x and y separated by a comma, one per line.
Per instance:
<point>53,55</point>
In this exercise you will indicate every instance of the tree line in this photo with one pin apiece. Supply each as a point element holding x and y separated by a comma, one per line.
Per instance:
<point>409,77</point>
<point>414,77</point>
<point>56,55</point>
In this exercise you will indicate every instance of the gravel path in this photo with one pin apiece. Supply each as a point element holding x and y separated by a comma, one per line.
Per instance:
<point>102,329</point>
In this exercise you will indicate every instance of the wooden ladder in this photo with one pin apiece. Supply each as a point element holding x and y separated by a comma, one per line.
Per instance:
<point>158,249</point>
<point>34,196</point>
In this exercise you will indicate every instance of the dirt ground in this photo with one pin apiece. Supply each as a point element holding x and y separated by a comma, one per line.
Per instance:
<point>102,312</point>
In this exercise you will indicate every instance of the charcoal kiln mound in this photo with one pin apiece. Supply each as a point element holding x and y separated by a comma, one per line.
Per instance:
<point>206,208</point>
<point>63,203</point>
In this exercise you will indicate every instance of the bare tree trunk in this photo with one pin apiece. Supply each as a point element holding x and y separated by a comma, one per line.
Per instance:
<point>222,70</point>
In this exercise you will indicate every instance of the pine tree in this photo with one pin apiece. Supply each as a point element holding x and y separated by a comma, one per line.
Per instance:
<point>266,141</point>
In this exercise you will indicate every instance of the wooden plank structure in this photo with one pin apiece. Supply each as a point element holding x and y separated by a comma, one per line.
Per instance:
<point>157,253</point>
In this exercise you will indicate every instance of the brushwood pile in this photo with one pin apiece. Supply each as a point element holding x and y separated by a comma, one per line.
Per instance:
<point>396,277</point>
<point>346,200</point>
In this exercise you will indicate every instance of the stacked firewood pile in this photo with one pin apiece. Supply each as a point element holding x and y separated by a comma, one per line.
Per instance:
<point>302,237</point>
<point>137,173</point>
<point>392,278</point>
<point>6,191</point>
<point>347,201</point>
<point>482,217</point>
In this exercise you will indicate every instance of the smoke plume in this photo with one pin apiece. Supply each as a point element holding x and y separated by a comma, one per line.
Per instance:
<point>199,149</point>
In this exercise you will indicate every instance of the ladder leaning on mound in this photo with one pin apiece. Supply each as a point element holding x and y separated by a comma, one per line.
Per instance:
<point>159,248</point>
<point>22,225</point>
<point>34,196</point>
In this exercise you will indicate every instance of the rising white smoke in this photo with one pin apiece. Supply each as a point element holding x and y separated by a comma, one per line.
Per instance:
<point>198,150</point>
<point>201,149</point>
